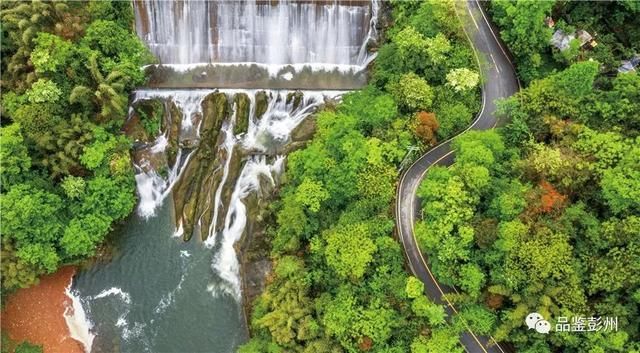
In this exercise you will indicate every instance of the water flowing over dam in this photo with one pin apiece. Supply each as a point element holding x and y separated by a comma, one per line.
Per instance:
<point>209,149</point>
<point>269,32</point>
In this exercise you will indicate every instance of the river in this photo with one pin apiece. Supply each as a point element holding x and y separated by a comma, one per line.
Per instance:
<point>173,284</point>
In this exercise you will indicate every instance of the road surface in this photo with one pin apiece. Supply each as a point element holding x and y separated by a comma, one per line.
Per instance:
<point>499,82</point>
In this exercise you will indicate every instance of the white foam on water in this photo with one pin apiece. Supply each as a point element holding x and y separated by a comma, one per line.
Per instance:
<point>115,291</point>
<point>168,298</point>
<point>287,76</point>
<point>76,320</point>
<point>179,231</point>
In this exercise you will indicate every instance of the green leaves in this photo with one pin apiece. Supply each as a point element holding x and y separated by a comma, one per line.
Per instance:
<point>51,54</point>
<point>412,93</point>
<point>43,91</point>
<point>14,156</point>
<point>621,184</point>
<point>64,180</point>
<point>414,288</point>
<point>311,193</point>
<point>31,215</point>
<point>349,250</point>
<point>83,233</point>
<point>463,79</point>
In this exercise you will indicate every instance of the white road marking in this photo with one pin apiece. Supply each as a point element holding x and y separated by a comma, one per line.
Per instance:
<point>495,64</point>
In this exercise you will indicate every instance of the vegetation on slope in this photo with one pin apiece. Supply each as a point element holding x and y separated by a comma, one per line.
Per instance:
<point>544,214</point>
<point>67,69</point>
<point>338,282</point>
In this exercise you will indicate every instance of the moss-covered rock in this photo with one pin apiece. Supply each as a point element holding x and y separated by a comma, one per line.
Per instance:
<point>173,121</point>
<point>295,98</point>
<point>305,130</point>
<point>134,129</point>
<point>146,121</point>
<point>243,109</point>
<point>192,193</point>
<point>262,103</point>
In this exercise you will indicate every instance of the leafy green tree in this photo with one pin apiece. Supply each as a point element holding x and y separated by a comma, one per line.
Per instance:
<point>452,118</point>
<point>441,341</point>
<point>437,48</point>
<point>311,194</point>
<point>14,155</point>
<point>477,318</point>
<point>83,234</point>
<point>412,93</point>
<point>413,47</point>
<point>379,109</point>
<point>621,184</point>
<point>41,255</point>
<point>107,94</point>
<point>349,250</point>
<point>577,80</point>
<point>111,197</point>
<point>414,288</point>
<point>51,53</point>
<point>16,273</point>
<point>31,215</point>
<point>43,91</point>
<point>471,279</point>
<point>22,21</point>
<point>423,307</point>
<point>73,187</point>
<point>463,79</point>
<point>524,30</point>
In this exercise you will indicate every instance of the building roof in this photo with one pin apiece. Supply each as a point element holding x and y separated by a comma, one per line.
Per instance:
<point>630,65</point>
<point>584,37</point>
<point>561,40</point>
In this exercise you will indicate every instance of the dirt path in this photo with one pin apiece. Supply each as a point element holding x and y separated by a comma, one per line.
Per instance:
<point>36,314</point>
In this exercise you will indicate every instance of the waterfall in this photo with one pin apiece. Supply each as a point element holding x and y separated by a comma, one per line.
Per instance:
<point>227,102</point>
<point>261,146</point>
<point>271,32</point>
<point>218,146</point>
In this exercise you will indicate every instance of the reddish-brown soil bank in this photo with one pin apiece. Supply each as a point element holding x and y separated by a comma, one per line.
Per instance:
<point>36,314</point>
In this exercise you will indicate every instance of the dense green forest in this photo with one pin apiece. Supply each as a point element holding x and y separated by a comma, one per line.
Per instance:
<point>67,70</point>
<point>543,215</point>
<point>339,283</point>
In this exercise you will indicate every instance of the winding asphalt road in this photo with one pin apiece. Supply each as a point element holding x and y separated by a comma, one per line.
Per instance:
<point>499,82</point>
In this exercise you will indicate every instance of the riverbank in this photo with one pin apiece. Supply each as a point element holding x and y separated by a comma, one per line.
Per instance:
<point>36,314</point>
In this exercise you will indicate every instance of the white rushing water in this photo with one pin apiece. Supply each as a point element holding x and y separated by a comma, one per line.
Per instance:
<point>281,32</point>
<point>153,188</point>
<point>271,131</point>
<point>267,134</point>
<point>77,321</point>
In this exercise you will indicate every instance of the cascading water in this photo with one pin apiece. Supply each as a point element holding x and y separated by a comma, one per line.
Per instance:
<point>213,150</point>
<point>279,32</point>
